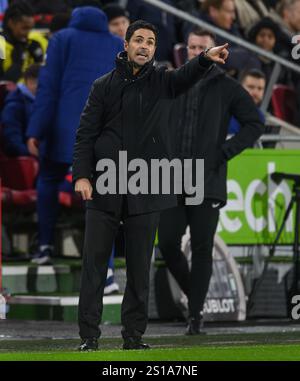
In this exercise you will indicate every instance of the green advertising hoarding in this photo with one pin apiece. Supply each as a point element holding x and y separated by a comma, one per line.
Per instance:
<point>256,204</point>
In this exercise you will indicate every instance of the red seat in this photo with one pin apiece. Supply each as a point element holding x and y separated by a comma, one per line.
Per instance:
<point>284,103</point>
<point>18,173</point>
<point>18,176</point>
<point>180,54</point>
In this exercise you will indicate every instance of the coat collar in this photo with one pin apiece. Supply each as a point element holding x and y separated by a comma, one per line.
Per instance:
<point>124,68</point>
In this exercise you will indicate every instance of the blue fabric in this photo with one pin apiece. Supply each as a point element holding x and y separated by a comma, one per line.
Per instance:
<point>76,56</point>
<point>15,119</point>
<point>234,126</point>
<point>51,177</point>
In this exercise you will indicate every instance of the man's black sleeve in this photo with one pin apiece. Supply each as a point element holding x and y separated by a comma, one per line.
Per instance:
<point>245,111</point>
<point>180,80</point>
<point>88,131</point>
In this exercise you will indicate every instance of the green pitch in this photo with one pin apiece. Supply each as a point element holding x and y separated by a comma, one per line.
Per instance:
<point>238,347</point>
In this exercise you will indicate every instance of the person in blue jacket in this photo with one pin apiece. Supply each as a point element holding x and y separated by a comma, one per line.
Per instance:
<point>76,56</point>
<point>16,113</point>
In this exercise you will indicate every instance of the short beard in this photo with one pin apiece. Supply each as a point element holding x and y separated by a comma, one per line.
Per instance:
<point>136,65</point>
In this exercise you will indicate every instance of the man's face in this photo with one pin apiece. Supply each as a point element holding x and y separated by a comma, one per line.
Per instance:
<point>21,28</point>
<point>118,26</point>
<point>141,47</point>
<point>255,87</point>
<point>265,39</point>
<point>292,16</point>
<point>197,44</point>
<point>224,16</point>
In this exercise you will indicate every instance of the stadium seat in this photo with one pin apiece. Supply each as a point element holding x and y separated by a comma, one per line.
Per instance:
<point>18,176</point>
<point>180,54</point>
<point>18,173</point>
<point>284,103</point>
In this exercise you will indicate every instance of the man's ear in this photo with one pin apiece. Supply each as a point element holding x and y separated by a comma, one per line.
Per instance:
<point>125,45</point>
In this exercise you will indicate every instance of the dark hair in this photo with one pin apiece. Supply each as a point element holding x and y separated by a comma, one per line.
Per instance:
<point>16,11</point>
<point>255,73</point>
<point>211,3</point>
<point>32,71</point>
<point>264,23</point>
<point>140,24</point>
<point>202,32</point>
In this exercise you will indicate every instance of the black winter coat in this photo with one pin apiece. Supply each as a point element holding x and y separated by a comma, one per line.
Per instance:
<point>127,112</point>
<point>219,98</point>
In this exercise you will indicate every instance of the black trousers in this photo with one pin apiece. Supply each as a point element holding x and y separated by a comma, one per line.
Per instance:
<point>202,220</point>
<point>100,232</point>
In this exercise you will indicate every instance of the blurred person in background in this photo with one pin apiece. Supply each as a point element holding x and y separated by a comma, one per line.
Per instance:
<point>266,35</point>
<point>201,117</point>
<point>75,57</point>
<point>16,113</point>
<point>118,20</point>
<point>23,46</point>
<point>254,82</point>
<point>222,14</point>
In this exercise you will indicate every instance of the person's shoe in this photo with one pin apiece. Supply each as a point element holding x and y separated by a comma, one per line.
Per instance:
<point>112,288</point>
<point>134,343</point>
<point>194,327</point>
<point>90,344</point>
<point>43,257</point>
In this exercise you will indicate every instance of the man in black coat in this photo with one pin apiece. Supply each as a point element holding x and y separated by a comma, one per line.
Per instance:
<point>127,110</point>
<point>202,118</point>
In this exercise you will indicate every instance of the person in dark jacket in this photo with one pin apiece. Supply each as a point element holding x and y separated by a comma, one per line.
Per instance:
<point>202,116</point>
<point>16,113</point>
<point>127,110</point>
<point>76,56</point>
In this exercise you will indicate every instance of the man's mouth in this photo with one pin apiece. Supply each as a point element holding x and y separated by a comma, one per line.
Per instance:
<point>142,55</point>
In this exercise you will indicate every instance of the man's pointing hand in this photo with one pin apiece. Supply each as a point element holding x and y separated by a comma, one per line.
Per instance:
<point>219,54</point>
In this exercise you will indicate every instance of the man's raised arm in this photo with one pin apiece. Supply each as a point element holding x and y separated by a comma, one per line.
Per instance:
<point>180,80</point>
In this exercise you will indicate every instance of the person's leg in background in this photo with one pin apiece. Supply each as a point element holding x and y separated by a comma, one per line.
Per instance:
<point>51,175</point>
<point>140,233</point>
<point>111,286</point>
<point>172,227</point>
<point>203,221</point>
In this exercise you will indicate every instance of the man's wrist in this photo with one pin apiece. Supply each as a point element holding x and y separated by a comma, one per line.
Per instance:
<point>205,53</point>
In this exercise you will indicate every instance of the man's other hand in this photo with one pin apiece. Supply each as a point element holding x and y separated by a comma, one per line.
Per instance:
<point>219,54</point>
<point>33,146</point>
<point>84,187</point>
